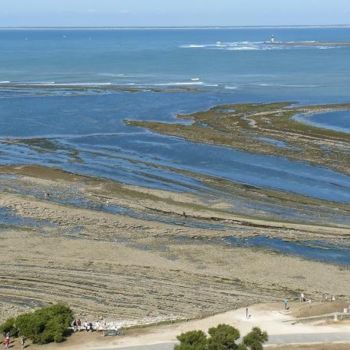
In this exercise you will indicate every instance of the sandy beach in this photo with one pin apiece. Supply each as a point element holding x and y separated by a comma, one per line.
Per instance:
<point>136,271</point>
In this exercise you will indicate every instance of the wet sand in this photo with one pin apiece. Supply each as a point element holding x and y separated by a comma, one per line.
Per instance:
<point>118,267</point>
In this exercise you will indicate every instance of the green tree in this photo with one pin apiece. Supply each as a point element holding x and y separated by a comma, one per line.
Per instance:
<point>223,337</point>
<point>254,340</point>
<point>9,327</point>
<point>194,340</point>
<point>46,325</point>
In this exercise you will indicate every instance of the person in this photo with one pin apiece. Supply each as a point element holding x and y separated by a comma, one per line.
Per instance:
<point>286,304</point>
<point>74,325</point>
<point>246,313</point>
<point>23,342</point>
<point>302,298</point>
<point>79,324</point>
<point>7,341</point>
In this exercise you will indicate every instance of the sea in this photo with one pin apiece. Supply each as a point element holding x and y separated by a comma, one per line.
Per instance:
<point>65,95</point>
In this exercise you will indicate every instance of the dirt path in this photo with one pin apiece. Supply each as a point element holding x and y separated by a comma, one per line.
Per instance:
<point>270,317</point>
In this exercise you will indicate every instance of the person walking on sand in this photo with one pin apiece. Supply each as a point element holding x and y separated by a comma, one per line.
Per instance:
<point>246,313</point>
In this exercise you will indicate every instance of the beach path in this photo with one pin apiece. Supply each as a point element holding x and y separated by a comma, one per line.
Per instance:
<point>280,325</point>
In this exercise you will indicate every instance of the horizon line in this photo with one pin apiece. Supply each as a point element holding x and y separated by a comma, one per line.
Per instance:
<point>182,27</point>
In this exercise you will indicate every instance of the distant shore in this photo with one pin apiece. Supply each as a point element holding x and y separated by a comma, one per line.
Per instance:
<point>263,26</point>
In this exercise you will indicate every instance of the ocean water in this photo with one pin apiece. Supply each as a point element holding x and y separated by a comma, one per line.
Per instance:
<point>338,121</point>
<point>65,94</point>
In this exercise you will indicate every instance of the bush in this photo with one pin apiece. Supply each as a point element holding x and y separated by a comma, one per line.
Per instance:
<point>46,325</point>
<point>9,327</point>
<point>195,340</point>
<point>255,339</point>
<point>222,337</point>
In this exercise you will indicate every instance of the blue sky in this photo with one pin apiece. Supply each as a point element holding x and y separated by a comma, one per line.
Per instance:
<point>172,12</point>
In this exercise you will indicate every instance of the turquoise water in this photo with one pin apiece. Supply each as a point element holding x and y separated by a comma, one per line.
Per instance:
<point>64,96</point>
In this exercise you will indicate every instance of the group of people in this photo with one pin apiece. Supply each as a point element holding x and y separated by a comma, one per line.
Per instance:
<point>78,326</point>
<point>303,299</point>
<point>98,326</point>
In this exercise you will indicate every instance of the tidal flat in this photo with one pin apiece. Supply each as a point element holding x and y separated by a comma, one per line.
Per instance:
<point>264,129</point>
<point>142,255</point>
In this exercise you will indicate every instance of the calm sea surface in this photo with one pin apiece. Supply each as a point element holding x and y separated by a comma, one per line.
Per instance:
<point>64,95</point>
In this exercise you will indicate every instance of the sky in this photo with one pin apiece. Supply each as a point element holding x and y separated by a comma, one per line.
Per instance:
<point>173,12</point>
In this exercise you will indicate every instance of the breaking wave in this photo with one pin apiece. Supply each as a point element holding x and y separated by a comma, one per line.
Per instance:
<point>265,45</point>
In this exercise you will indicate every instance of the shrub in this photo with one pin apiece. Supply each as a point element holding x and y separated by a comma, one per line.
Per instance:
<point>195,340</point>
<point>223,337</point>
<point>46,325</point>
<point>9,327</point>
<point>255,339</point>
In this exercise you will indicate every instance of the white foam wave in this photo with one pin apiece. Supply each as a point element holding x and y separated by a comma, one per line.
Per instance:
<point>192,46</point>
<point>183,83</point>
<point>260,45</point>
<point>230,46</point>
<point>301,86</point>
<point>228,87</point>
<point>327,47</point>
<point>243,48</point>
<point>195,81</point>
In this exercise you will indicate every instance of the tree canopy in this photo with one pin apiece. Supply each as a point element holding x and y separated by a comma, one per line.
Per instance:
<point>194,340</point>
<point>46,325</point>
<point>222,337</point>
